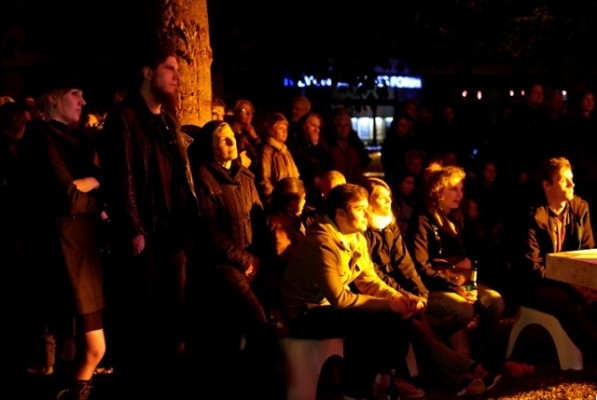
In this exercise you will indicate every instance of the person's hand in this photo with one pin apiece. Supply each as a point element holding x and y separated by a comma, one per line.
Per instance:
<point>588,295</point>
<point>469,295</point>
<point>86,185</point>
<point>420,307</point>
<point>251,131</point>
<point>403,305</point>
<point>419,303</point>
<point>252,270</point>
<point>465,263</point>
<point>456,276</point>
<point>138,244</point>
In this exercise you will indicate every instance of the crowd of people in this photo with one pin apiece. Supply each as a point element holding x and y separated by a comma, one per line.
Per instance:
<point>180,254</point>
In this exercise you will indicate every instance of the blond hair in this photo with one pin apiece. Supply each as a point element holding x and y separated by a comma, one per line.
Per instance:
<point>438,178</point>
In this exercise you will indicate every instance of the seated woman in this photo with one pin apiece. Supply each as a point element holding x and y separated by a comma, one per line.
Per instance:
<point>437,239</point>
<point>286,231</point>
<point>311,156</point>
<point>394,265</point>
<point>229,256</point>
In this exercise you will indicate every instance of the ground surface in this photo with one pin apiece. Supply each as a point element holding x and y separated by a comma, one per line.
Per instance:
<point>534,347</point>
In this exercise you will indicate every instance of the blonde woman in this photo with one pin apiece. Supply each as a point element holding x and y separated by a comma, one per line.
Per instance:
<point>437,240</point>
<point>72,205</point>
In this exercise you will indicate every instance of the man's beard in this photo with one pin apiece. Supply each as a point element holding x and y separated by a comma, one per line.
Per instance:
<point>168,100</point>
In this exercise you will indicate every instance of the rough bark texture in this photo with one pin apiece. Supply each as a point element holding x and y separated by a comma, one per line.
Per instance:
<point>184,23</point>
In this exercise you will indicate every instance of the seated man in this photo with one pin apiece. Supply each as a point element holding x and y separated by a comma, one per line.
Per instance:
<point>318,302</point>
<point>560,221</point>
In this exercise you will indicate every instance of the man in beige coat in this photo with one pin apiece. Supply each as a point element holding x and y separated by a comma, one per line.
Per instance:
<point>330,289</point>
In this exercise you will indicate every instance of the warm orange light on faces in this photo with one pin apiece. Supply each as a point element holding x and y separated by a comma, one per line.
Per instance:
<point>354,218</point>
<point>224,145</point>
<point>280,131</point>
<point>562,188</point>
<point>67,106</point>
<point>452,195</point>
<point>380,201</point>
<point>312,128</point>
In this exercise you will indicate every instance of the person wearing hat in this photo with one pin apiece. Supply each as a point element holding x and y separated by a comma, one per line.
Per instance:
<point>230,242</point>
<point>69,189</point>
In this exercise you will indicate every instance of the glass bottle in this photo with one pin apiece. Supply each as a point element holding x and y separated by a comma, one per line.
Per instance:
<point>472,285</point>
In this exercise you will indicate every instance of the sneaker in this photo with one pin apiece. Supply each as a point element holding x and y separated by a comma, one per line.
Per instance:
<point>489,378</point>
<point>470,385</point>
<point>518,370</point>
<point>406,390</point>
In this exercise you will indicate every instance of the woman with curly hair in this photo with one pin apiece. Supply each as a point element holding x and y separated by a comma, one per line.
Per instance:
<point>438,242</point>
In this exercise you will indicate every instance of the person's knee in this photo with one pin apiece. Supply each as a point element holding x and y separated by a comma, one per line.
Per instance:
<point>463,315</point>
<point>452,307</point>
<point>492,300</point>
<point>96,353</point>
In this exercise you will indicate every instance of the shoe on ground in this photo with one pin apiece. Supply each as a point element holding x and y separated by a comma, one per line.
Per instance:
<point>470,385</point>
<point>518,370</point>
<point>408,391</point>
<point>489,378</point>
<point>63,394</point>
<point>40,370</point>
<point>405,388</point>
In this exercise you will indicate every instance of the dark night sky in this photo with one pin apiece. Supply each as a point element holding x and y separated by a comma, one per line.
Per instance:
<point>253,40</point>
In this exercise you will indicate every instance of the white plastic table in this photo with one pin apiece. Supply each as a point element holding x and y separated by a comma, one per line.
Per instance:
<point>577,267</point>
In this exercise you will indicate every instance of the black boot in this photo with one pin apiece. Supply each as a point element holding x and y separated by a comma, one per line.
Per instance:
<point>78,390</point>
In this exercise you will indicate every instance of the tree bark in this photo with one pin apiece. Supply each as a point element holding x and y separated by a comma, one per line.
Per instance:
<point>185,25</point>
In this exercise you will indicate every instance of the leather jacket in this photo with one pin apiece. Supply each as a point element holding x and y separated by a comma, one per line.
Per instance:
<point>130,164</point>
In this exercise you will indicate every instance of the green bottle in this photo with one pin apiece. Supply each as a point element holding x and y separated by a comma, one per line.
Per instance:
<point>472,285</point>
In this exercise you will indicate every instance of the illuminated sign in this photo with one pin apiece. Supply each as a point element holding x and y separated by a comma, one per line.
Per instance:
<point>391,81</point>
<point>399,82</point>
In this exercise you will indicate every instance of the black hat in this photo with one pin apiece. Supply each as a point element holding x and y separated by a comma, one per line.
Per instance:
<point>202,143</point>
<point>60,78</point>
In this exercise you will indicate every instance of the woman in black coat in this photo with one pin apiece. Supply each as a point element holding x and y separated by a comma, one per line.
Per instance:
<point>229,254</point>
<point>69,191</point>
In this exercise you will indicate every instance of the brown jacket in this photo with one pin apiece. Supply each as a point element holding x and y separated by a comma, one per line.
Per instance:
<point>276,163</point>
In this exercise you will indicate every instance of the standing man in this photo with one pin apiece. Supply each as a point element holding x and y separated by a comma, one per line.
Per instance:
<point>318,300</point>
<point>153,205</point>
<point>560,221</point>
<point>300,106</point>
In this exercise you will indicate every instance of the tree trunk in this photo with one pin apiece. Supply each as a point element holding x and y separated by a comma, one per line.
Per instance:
<point>185,25</point>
